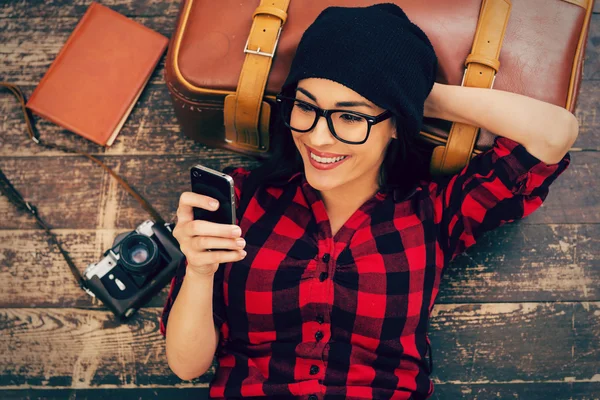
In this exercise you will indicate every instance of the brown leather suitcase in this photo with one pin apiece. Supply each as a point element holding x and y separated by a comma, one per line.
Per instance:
<point>228,59</point>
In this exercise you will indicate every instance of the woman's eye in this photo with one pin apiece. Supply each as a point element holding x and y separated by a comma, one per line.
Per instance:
<point>350,118</point>
<point>303,107</point>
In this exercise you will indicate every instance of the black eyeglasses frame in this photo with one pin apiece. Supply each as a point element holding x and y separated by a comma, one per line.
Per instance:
<point>320,112</point>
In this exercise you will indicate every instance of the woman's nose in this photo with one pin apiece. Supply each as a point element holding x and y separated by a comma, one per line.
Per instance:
<point>321,135</point>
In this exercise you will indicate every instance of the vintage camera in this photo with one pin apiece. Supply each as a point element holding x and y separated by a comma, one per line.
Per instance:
<point>138,265</point>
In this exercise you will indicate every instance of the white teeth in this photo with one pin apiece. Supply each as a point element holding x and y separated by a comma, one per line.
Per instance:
<point>326,160</point>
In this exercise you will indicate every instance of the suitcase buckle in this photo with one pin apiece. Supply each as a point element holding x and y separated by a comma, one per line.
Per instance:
<point>262,53</point>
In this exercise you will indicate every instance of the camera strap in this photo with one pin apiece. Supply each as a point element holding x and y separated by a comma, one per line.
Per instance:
<point>15,197</point>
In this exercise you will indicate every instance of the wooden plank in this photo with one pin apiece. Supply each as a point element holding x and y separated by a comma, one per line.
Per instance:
<point>520,262</point>
<point>82,349</point>
<point>195,393</point>
<point>30,45</point>
<point>36,275</point>
<point>76,8</point>
<point>444,391</point>
<point>591,66</point>
<point>517,262</point>
<point>517,390</point>
<point>503,342</point>
<point>472,344</point>
<point>587,112</point>
<point>72,192</point>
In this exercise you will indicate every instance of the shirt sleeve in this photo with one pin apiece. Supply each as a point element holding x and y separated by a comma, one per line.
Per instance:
<point>501,185</point>
<point>219,315</point>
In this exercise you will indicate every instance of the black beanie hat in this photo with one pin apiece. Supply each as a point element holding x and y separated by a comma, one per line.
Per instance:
<point>375,51</point>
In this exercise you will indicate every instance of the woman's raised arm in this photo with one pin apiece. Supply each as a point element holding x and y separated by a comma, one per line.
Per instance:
<point>547,131</point>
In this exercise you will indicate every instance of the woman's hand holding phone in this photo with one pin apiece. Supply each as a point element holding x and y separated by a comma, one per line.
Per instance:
<point>197,237</point>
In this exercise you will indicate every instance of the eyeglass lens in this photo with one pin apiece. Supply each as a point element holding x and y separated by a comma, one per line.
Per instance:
<point>301,117</point>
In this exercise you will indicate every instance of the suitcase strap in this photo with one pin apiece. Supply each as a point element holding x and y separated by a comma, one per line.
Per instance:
<point>481,67</point>
<point>246,115</point>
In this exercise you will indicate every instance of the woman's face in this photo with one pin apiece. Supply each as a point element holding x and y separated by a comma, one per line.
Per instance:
<point>362,162</point>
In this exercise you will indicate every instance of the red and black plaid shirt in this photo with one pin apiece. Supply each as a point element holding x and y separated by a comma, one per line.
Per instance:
<point>311,315</point>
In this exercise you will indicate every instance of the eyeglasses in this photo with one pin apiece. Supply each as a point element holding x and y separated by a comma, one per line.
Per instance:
<point>347,126</point>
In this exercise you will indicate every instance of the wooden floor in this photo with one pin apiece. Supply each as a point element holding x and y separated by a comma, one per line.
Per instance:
<point>518,316</point>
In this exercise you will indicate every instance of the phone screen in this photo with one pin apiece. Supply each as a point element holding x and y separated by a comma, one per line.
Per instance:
<point>219,186</point>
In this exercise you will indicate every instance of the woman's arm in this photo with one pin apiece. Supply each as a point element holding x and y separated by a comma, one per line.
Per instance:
<point>192,336</point>
<point>547,131</point>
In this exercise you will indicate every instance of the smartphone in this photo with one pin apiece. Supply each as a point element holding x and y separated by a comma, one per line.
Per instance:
<point>219,186</point>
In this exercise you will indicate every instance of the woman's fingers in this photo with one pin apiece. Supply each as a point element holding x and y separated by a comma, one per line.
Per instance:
<point>188,200</point>
<point>198,258</point>
<point>201,243</point>
<point>197,236</point>
<point>207,228</point>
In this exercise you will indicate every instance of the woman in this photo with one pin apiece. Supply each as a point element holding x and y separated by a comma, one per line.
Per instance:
<point>345,244</point>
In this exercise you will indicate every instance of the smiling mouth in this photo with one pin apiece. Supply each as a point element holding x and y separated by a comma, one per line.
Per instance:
<point>325,160</point>
<point>324,163</point>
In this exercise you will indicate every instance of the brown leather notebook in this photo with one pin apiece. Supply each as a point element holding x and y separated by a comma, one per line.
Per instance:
<point>98,75</point>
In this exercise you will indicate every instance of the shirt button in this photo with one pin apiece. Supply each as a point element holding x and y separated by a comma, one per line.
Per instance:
<point>319,335</point>
<point>314,369</point>
<point>312,397</point>
<point>325,258</point>
<point>322,276</point>
<point>320,319</point>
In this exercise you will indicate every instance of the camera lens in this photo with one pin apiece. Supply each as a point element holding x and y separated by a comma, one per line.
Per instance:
<point>139,254</point>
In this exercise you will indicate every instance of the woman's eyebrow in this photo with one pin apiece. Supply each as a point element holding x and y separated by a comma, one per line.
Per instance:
<point>339,103</point>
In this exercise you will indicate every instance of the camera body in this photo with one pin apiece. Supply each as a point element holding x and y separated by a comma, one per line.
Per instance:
<point>137,266</point>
